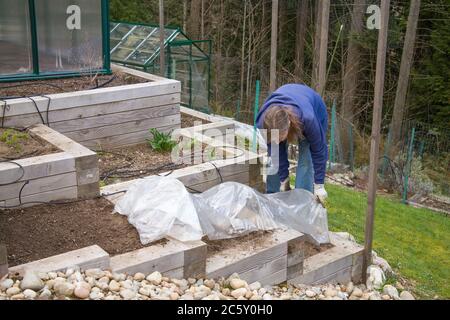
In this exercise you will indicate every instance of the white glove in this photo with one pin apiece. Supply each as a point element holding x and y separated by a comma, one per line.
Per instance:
<point>285,185</point>
<point>320,193</point>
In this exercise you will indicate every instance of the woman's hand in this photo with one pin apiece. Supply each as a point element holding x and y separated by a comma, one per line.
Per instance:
<point>320,193</point>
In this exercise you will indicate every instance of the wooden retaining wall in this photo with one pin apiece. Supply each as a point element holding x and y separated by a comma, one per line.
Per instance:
<point>67,175</point>
<point>106,117</point>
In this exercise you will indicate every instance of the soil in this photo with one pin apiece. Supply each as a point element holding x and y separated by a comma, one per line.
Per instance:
<point>433,203</point>
<point>133,162</point>
<point>39,232</point>
<point>25,146</point>
<point>252,241</point>
<point>310,249</point>
<point>188,121</point>
<point>51,86</point>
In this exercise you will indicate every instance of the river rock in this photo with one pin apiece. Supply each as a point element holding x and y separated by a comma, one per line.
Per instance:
<point>239,292</point>
<point>238,284</point>
<point>13,291</point>
<point>114,286</point>
<point>405,295</point>
<point>210,284</point>
<point>255,286</point>
<point>310,293</point>
<point>357,292</point>
<point>139,276</point>
<point>391,291</point>
<point>31,280</point>
<point>29,294</point>
<point>6,284</point>
<point>82,290</point>
<point>63,288</point>
<point>95,273</point>
<point>155,278</point>
<point>376,278</point>
<point>127,294</point>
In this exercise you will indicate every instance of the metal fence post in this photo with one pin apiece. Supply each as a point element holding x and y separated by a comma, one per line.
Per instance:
<point>408,166</point>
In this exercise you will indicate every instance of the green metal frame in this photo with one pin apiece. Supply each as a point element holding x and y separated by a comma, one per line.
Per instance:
<point>151,63</point>
<point>37,75</point>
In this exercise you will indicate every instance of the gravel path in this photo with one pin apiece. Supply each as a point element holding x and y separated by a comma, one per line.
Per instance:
<point>96,284</point>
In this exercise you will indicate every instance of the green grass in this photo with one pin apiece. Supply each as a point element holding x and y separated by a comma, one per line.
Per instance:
<point>415,242</point>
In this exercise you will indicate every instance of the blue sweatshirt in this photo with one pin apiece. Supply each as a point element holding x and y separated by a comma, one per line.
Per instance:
<point>312,111</point>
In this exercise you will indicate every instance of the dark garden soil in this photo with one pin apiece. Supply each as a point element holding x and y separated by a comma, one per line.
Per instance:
<point>250,242</point>
<point>188,121</point>
<point>39,232</point>
<point>310,249</point>
<point>61,85</point>
<point>133,162</point>
<point>139,161</point>
<point>16,144</point>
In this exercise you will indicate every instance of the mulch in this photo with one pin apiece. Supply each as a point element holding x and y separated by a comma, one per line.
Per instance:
<point>26,146</point>
<point>188,121</point>
<point>51,86</point>
<point>39,232</point>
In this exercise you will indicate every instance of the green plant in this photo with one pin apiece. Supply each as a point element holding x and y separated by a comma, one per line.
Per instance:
<point>161,142</point>
<point>12,138</point>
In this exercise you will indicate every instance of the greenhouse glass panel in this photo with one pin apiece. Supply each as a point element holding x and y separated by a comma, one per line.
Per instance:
<point>53,38</point>
<point>15,37</point>
<point>69,44</point>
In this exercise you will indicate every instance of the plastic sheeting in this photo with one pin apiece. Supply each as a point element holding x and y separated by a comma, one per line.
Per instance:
<point>161,206</point>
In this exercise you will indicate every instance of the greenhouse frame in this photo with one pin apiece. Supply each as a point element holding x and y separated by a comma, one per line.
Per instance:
<point>53,38</point>
<point>138,46</point>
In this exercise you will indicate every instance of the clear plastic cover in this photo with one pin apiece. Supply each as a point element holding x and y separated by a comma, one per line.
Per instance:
<point>161,206</point>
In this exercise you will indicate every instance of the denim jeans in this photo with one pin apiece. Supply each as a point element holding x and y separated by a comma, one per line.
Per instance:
<point>305,172</point>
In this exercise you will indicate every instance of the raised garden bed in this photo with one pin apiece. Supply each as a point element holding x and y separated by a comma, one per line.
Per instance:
<point>106,117</point>
<point>15,144</point>
<point>188,121</point>
<point>70,173</point>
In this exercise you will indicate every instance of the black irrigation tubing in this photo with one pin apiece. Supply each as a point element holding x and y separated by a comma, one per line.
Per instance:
<point>19,178</point>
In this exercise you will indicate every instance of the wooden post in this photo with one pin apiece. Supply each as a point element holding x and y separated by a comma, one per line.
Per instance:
<point>323,53</point>
<point>273,47</point>
<point>375,139</point>
<point>3,261</point>
<point>162,38</point>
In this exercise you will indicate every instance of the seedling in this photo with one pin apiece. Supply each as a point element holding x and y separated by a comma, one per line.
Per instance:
<point>12,138</point>
<point>161,142</point>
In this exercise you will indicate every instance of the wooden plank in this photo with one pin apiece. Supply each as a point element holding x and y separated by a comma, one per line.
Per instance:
<point>118,128</point>
<point>37,186</point>
<point>117,118</point>
<point>263,271</point>
<point>200,115</point>
<point>37,167</point>
<point>92,97</point>
<point>160,257</point>
<point>3,261</point>
<point>86,258</point>
<point>294,271</point>
<point>69,193</point>
<point>195,260</point>
<point>123,140</point>
<point>174,274</point>
<point>239,177</point>
<point>274,279</point>
<point>72,113</point>
<point>212,130</point>
<point>88,191</point>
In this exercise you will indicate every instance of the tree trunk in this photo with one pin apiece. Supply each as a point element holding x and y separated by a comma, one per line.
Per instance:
<point>243,53</point>
<point>195,19</point>
<point>316,53</point>
<point>323,55</point>
<point>350,79</point>
<point>405,72</point>
<point>273,47</point>
<point>185,13</point>
<point>302,21</point>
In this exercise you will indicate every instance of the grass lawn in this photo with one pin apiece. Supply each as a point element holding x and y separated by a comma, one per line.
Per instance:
<point>415,242</point>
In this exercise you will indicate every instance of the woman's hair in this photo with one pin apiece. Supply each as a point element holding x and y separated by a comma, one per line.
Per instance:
<point>284,119</point>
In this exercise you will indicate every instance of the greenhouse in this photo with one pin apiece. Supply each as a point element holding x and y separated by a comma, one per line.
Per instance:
<point>53,38</point>
<point>188,61</point>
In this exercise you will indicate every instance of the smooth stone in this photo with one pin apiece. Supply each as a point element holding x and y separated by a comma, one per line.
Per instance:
<point>155,278</point>
<point>95,273</point>
<point>96,295</point>
<point>139,276</point>
<point>29,294</point>
<point>45,294</point>
<point>375,296</point>
<point>114,286</point>
<point>210,284</point>
<point>19,296</point>
<point>174,296</point>
<point>13,291</point>
<point>267,297</point>
<point>52,275</point>
<point>357,292</point>
<point>386,297</point>
<point>350,287</point>
<point>391,291</point>
<point>310,293</point>
<point>82,290</point>
<point>31,280</point>
<point>198,295</point>
<point>405,295</point>
<point>226,292</point>
<point>255,286</point>
<point>6,284</point>
<point>127,294</point>
<point>376,278</point>
<point>237,293</point>
<point>63,288</point>
<point>330,293</point>
<point>238,284</point>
